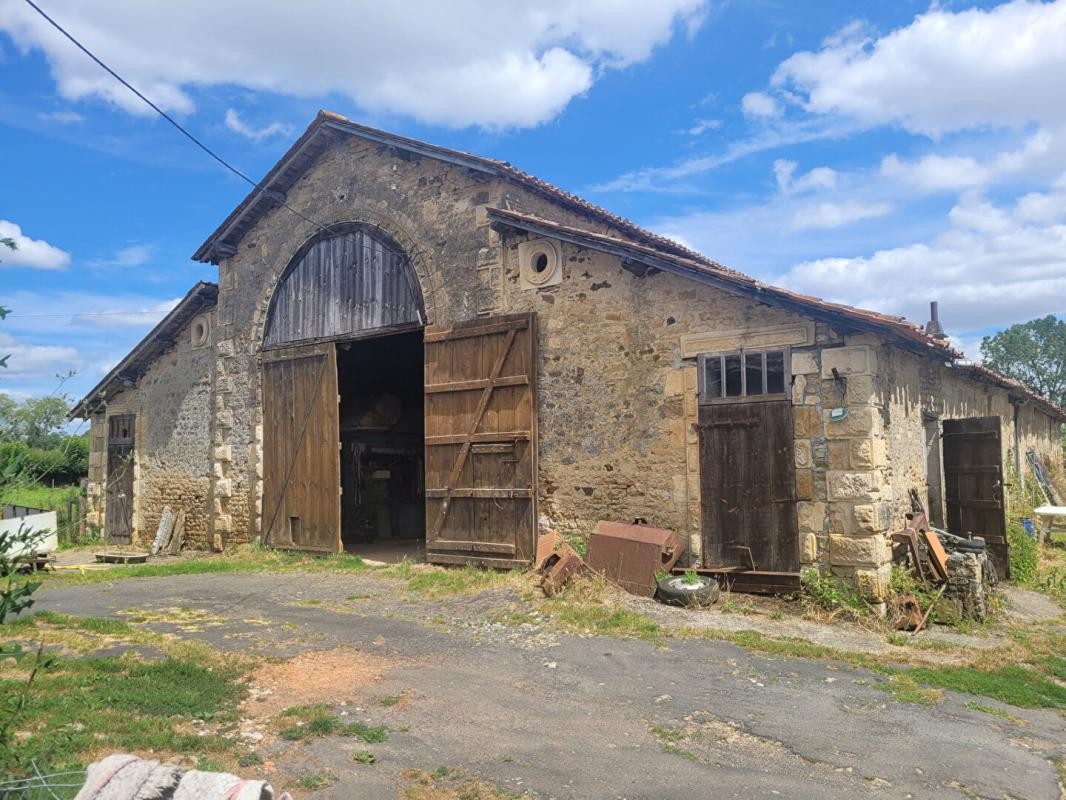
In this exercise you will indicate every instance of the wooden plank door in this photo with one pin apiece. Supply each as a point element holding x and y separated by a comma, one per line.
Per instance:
<point>973,484</point>
<point>747,486</point>
<point>481,441</point>
<point>118,511</point>
<point>301,449</point>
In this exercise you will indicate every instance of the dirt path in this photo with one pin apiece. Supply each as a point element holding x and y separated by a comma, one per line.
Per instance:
<point>559,716</point>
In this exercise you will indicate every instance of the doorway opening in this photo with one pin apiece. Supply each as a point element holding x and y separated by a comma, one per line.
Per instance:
<point>382,438</point>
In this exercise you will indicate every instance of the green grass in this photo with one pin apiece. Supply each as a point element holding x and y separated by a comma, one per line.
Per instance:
<point>246,559</point>
<point>84,705</point>
<point>454,580</point>
<point>906,689</point>
<point>605,621</point>
<point>995,712</point>
<point>667,734</point>
<point>315,780</point>
<point>364,757</point>
<point>1013,684</point>
<point>35,495</point>
<point>674,750</point>
<point>314,722</point>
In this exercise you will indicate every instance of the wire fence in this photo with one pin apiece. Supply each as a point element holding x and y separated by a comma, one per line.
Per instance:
<point>43,786</point>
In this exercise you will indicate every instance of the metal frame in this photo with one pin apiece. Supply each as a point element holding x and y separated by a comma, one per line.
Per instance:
<point>702,362</point>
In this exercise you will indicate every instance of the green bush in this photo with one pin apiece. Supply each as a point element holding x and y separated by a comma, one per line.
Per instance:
<point>66,463</point>
<point>831,592</point>
<point>1024,554</point>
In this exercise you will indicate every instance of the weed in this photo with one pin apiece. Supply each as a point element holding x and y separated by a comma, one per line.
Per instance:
<point>249,760</point>
<point>907,690</point>
<point>606,621</point>
<point>1024,554</point>
<point>831,593</point>
<point>388,701</point>
<point>364,757</point>
<point>674,750</point>
<point>995,712</point>
<point>444,581</point>
<point>314,722</point>
<point>667,734</point>
<point>315,780</point>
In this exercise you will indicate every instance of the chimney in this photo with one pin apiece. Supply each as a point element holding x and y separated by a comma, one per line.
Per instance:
<point>933,327</point>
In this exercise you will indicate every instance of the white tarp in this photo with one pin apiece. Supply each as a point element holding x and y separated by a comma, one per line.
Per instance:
<point>39,523</point>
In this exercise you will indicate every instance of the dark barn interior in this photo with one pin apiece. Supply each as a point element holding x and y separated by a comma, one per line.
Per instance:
<point>382,437</point>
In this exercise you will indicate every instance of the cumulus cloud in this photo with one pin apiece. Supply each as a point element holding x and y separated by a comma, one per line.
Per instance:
<point>993,265</point>
<point>35,253</point>
<point>946,71</point>
<point>759,104</point>
<point>468,62</point>
<point>836,215</point>
<point>789,183</point>
<point>32,361</point>
<point>238,125</point>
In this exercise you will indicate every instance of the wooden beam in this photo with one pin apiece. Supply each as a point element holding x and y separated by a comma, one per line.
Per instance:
<point>477,383</point>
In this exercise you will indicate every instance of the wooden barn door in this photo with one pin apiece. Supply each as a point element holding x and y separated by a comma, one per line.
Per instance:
<point>301,449</point>
<point>481,441</point>
<point>973,484</point>
<point>747,486</point>
<point>118,512</point>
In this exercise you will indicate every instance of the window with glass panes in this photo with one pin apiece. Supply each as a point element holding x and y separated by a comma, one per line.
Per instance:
<point>744,375</point>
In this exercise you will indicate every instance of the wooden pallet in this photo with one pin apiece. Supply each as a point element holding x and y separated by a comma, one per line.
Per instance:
<point>117,557</point>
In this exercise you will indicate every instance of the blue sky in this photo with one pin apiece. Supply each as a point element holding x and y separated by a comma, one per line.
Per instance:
<point>883,157</point>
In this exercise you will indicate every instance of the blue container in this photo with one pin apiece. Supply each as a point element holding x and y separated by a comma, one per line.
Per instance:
<point>1027,526</point>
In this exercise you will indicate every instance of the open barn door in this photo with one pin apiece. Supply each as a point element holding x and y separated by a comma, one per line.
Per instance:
<point>973,484</point>
<point>301,450</point>
<point>481,441</point>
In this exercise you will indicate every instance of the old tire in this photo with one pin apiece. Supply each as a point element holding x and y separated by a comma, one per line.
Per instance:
<point>674,590</point>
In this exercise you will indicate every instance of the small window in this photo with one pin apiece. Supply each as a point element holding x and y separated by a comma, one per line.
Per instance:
<point>754,375</point>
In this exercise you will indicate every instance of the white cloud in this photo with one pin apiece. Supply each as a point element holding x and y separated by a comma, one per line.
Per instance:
<point>467,62</point>
<point>38,313</point>
<point>35,253</point>
<point>29,361</point>
<point>946,71</point>
<point>836,215</point>
<point>238,125</point>
<point>62,117</point>
<point>789,183</point>
<point>760,104</point>
<point>1035,156</point>
<point>135,255</point>
<point>701,126</point>
<point>994,265</point>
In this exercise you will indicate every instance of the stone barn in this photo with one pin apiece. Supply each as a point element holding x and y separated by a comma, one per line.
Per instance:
<point>413,345</point>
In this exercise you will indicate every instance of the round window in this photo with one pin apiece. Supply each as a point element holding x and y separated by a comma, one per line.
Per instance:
<point>540,262</point>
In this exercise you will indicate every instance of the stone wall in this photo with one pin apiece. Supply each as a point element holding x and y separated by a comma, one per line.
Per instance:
<point>911,385</point>
<point>171,464</point>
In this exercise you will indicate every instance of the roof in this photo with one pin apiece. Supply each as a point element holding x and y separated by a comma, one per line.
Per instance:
<point>980,372</point>
<point>709,272</point>
<point>161,337</point>
<point>641,246</point>
<point>327,126</point>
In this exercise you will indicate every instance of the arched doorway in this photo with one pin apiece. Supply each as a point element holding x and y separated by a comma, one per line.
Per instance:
<point>342,380</point>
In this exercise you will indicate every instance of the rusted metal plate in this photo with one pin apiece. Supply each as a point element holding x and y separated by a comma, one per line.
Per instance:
<point>631,555</point>
<point>548,545</point>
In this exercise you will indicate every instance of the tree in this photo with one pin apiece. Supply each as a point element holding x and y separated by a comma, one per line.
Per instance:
<point>1032,352</point>
<point>35,422</point>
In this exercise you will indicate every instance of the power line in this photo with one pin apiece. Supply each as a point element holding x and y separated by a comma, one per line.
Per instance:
<point>162,113</point>
<point>12,315</point>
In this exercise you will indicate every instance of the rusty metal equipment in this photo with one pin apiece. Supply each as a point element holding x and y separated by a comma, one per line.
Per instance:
<point>632,554</point>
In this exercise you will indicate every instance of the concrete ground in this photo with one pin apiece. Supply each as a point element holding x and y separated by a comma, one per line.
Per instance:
<point>554,715</point>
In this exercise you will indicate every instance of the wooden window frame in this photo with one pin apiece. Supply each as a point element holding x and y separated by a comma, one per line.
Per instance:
<point>701,371</point>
